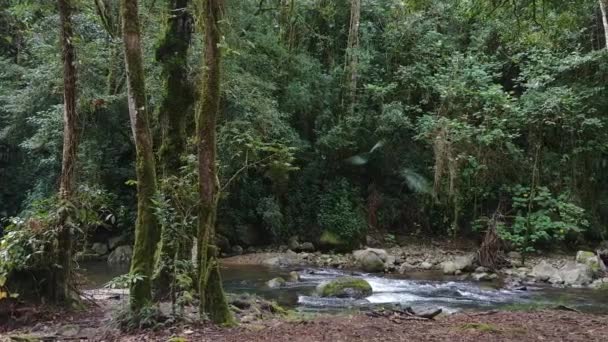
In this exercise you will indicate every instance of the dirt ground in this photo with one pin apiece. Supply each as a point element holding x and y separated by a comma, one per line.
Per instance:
<point>501,326</point>
<point>546,325</point>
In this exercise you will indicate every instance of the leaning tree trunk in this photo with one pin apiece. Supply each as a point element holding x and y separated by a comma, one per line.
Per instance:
<point>604,9</point>
<point>212,299</point>
<point>61,285</point>
<point>146,226</point>
<point>352,59</point>
<point>175,108</point>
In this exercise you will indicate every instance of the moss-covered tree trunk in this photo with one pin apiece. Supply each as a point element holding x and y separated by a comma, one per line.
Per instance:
<point>176,107</point>
<point>352,59</point>
<point>212,299</point>
<point>61,284</point>
<point>146,227</point>
<point>604,10</point>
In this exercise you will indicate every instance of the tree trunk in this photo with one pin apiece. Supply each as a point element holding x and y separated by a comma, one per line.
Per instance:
<point>212,298</point>
<point>604,8</point>
<point>146,226</point>
<point>351,53</point>
<point>175,108</point>
<point>61,290</point>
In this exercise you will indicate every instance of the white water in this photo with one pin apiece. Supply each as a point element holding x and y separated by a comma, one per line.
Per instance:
<point>450,295</point>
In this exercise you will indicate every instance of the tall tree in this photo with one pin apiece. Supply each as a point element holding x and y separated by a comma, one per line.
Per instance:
<point>175,108</point>
<point>352,59</point>
<point>212,299</point>
<point>604,9</point>
<point>61,291</point>
<point>146,227</point>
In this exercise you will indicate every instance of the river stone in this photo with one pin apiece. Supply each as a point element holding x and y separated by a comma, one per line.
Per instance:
<point>589,259</point>
<point>546,272</point>
<point>121,255</point>
<point>345,287</point>
<point>406,267</point>
<point>426,265</point>
<point>294,277</point>
<point>237,250</point>
<point>465,262</point>
<point>514,255</point>
<point>307,247</point>
<point>484,276</point>
<point>293,243</point>
<point>371,259</point>
<point>222,243</point>
<point>275,283</point>
<point>573,273</point>
<point>99,248</point>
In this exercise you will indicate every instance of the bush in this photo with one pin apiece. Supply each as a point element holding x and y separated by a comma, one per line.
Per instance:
<point>541,218</point>
<point>341,213</point>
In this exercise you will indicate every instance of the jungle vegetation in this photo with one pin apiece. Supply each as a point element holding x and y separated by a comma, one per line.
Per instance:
<point>175,122</point>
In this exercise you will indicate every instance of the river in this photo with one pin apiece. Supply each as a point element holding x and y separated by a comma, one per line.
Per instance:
<point>417,289</point>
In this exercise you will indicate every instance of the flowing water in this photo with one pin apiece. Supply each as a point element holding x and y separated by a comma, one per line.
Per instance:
<point>418,289</point>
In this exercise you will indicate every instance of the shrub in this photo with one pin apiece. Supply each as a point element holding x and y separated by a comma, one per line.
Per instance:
<point>341,213</point>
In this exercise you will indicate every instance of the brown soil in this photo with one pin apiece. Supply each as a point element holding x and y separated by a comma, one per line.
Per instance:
<point>501,326</point>
<point>492,326</point>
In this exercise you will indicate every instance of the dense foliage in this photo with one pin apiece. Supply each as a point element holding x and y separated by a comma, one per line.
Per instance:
<point>461,107</point>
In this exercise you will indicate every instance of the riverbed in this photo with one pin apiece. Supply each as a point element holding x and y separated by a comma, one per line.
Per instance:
<point>417,289</point>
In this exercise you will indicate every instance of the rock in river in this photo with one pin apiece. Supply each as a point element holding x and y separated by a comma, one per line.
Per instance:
<point>345,287</point>
<point>573,273</point>
<point>371,259</point>
<point>275,283</point>
<point>121,255</point>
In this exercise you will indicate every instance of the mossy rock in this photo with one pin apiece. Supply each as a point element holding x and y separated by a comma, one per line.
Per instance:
<point>346,287</point>
<point>332,242</point>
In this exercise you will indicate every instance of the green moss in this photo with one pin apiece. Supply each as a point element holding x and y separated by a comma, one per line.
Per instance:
<point>345,287</point>
<point>482,327</point>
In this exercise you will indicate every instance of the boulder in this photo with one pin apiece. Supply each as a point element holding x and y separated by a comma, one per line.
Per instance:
<point>484,276</point>
<point>120,255</point>
<point>426,265</point>
<point>294,277</point>
<point>275,283</point>
<point>448,267</point>
<point>406,267</point>
<point>590,259</point>
<point>293,243</point>
<point>222,243</point>
<point>100,248</point>
<point>237,250</point>
<point>461,263</point>
<point>307,247</point>
<point>544,271</point>
<point>465,262</point>
<point>600,284</point>
<point>371,259</point>
<point>345,287</point>
<point>573,273</point>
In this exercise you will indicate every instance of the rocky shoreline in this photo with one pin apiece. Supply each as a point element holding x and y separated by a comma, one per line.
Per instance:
<point>584,269</point>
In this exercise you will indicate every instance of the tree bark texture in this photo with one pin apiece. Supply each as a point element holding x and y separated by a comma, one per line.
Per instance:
<point>61,285</point>
<point>604,9</point>
<point>146,227</point>
<point>175,109</point>
<point>352,59</point>
<point>212,299</point>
